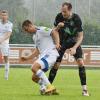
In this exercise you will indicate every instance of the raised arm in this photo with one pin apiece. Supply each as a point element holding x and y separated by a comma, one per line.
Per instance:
<point>55,36</point>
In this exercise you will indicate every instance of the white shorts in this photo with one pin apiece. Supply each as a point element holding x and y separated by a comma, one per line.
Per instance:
<point>4,48</point>
<point>47,59</point>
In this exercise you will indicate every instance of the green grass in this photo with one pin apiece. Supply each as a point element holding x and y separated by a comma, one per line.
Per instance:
<point>20,87</point>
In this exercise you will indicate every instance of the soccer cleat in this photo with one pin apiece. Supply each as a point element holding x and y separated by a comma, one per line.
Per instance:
<point>50,90</point>
<point>6,78</point>
<point>42,92</point>
<point>85,93</point>
<point>55,93</point>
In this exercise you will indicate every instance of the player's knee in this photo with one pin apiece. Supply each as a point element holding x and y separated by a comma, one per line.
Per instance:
<point>80,62</point>
<point>35,78</point>
<point>6,59</point>
<point>56,65</point>
<point>35,67</point>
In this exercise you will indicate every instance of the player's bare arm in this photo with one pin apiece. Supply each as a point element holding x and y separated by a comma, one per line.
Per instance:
<point>35,53</point>
<point>5,37</point>
<point>56,38</point>
<point>78,42</point>
<point>60,25</point>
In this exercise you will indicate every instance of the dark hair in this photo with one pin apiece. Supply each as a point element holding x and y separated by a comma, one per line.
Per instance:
<point>67,4</point>
<point>26,23</point>
<point>4,11</point>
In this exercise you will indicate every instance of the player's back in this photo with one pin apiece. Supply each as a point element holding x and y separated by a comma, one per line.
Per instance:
<point>43,39</point>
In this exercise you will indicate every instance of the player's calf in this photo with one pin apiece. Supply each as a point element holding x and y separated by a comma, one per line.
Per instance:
<point>82,75</point>
<point>36,68</point>
<point>53,72</point>
<point>6,67</point>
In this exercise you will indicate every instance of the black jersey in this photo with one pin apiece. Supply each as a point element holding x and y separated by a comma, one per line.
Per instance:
<point>71,27</point>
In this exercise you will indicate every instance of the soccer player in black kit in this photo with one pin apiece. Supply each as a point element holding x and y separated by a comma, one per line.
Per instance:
<point>71,36</point>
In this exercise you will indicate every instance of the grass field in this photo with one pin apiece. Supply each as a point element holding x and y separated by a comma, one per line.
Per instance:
<point>20,87</point>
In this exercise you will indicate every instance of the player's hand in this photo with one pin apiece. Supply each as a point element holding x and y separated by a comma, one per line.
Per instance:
<point>58,46</point>
<point>72,51</point>
<point>24,58</point>
<point>26,54</point>
<point>61,24</point>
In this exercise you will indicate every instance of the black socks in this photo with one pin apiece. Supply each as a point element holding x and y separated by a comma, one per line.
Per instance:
<point>52,75</point>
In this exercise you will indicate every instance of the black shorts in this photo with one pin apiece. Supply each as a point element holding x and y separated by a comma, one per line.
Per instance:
<point>64,47</point>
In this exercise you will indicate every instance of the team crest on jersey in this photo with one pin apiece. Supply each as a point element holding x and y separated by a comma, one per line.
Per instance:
<point>6,27</point>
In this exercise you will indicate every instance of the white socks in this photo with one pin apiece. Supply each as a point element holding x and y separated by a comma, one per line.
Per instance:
<point>6,71</point>
<point>42,76</point>
<point>42,85</point>
<point>84,87</point>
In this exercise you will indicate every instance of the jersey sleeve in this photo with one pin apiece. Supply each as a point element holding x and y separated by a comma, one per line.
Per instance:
<point>45,31</point>
<point>78,24</point>
<point>9,27</point>
<point>56,20</point>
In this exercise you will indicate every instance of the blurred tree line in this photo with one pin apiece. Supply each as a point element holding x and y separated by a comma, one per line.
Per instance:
<point>44,14</point>
<point>17,14</point>
<point>91,33</point>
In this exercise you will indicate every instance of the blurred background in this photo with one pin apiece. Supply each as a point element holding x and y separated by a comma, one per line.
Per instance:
<point>43,12</point>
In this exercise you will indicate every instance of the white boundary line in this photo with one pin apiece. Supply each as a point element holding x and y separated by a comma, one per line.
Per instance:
<point>74,66</point>
<point>63,65</point>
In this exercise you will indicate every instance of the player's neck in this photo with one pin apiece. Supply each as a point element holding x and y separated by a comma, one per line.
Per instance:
<point>4,21</point>
<point>70,16</point>
<point>35,30</point>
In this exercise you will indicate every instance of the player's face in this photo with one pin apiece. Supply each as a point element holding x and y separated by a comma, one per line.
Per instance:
<point>4,16</point>
<point>65,11</point>
<point>30,29</point>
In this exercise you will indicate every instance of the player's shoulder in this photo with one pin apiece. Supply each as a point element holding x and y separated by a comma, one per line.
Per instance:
<point>9,23</point>
<point>59,15</point>
<point>43,28</point>
<point>76,16</point>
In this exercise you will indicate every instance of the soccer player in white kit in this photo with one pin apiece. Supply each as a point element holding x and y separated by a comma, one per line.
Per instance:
<point>46,40</point>
<point>5,33</point>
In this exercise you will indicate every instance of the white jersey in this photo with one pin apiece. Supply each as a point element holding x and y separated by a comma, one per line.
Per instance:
<point>5,28</point>
<point>43,39</point>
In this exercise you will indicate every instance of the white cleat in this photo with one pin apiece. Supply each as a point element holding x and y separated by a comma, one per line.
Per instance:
<point>85,93</point>
<point>6,78</point>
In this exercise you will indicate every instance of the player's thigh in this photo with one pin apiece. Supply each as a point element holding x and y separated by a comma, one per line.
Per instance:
<point>46,61</point>
<point>51,60</point>
<point>61,54</point>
